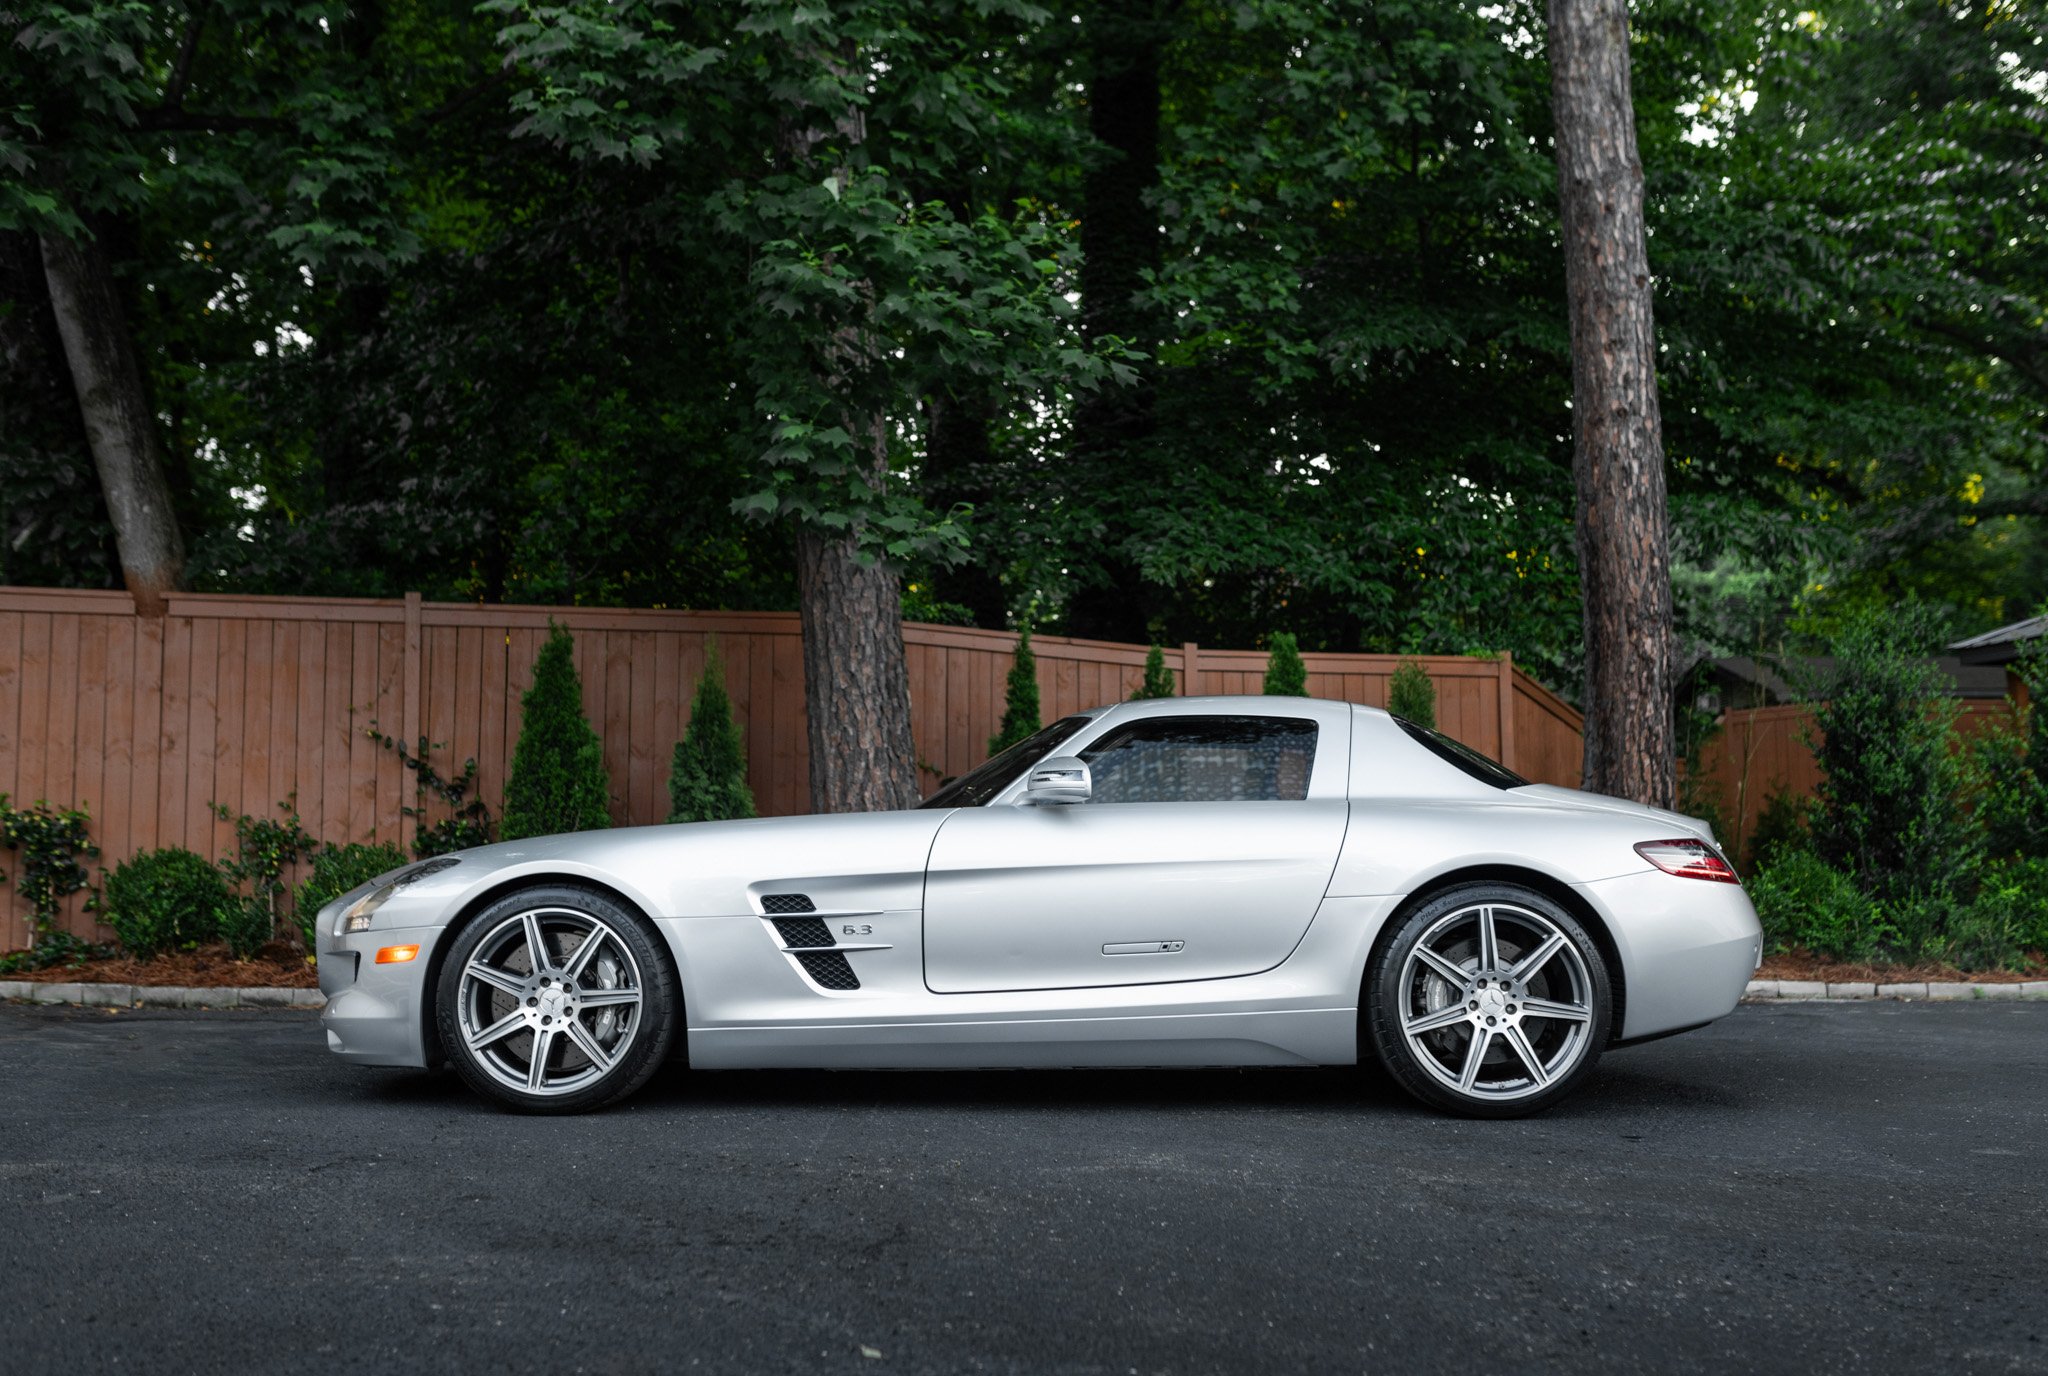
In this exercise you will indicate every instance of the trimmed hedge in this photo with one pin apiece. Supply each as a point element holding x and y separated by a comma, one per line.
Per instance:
<point>165,900</point>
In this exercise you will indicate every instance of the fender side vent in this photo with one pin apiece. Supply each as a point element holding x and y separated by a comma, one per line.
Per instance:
<point>829,969</point>
<point>804,931</point>
<point>787,903</point>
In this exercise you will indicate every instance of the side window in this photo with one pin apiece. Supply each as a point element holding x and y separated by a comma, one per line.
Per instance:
<point>1204,760</point>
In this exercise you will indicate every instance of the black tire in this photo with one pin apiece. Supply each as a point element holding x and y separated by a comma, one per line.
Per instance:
<point>622,997</point>
<point>1557,1015</point>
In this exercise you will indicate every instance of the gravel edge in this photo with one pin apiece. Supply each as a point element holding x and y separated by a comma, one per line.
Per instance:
<point>159,995</point>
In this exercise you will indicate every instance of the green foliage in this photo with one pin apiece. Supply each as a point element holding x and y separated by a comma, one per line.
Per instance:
<point>1782,827</point>
<point>1886,809</point>
<point>707,781</point>
<point>50,841</point>
<point>2020,888</point>
<point>1286,675</point>
<point>167,900</point>
<point>1805,903</point>
<point>1158,681</point>
<point>468,822</point>
<point>335,871</point>
<point>1410,694</point>
<point>2011,767</point>
<point>264,849</point>
<point>1020,698</point>
<point>558,781</point>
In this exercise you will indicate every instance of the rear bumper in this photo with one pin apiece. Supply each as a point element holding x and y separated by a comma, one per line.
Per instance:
<point>1688,948</point>
<point>376,1014</point>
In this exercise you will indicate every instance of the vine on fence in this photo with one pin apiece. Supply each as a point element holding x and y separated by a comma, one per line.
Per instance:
<point>263,850</point>
<point>469,821</point>
<point>50,840</point>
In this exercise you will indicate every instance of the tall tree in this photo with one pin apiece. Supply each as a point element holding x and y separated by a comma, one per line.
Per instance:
<point>119,425</point>
<point>1618,455</point>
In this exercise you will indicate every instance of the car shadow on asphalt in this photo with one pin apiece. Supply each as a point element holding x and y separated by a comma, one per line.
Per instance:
<point>1614,1090</point>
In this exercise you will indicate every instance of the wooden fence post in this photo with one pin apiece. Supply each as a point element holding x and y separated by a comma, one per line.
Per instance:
<point>410,735</point>
<point>1507,710</point>
<point>1190,668</point>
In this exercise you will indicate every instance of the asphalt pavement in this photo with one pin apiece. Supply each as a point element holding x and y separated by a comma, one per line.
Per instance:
<point>1855,1187</point>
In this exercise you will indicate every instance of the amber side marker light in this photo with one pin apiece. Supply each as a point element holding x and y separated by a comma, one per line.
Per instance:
<point>1688,858</point>
<point>396,955</point>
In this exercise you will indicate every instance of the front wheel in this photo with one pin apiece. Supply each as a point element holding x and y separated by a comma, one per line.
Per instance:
<point>1490,1001</point>
<point>557,1000</point>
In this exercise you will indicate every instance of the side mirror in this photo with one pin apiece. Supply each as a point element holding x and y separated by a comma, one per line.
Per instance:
<point>1058,781</point>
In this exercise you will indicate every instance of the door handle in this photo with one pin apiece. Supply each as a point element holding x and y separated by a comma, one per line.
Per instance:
<point>1143,948</point>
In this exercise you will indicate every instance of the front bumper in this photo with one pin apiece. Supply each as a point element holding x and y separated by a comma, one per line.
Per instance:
<point>1688,948</point>
<point>376,1014</point>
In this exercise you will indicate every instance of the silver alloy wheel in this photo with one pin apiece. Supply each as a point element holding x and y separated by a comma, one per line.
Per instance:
<point>1496,1002</point>
<point>550,1001</point>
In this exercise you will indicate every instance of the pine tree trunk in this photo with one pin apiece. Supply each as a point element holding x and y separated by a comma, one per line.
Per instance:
<point>856,684</point>
<point>1618,463</point>
<point>118,424</point>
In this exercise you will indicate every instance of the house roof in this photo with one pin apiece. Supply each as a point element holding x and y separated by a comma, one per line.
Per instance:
<point>1972,680</point>
<point>2001,646</point>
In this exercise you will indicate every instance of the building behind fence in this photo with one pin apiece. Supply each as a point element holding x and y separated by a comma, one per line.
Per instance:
<point>249,701</point>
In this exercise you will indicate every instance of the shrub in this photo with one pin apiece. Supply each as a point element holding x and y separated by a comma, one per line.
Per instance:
<point>708,780</point>
<point>558,781</point>
<point>2020,889</point>
<point>246,925</point>
<point>1286,675</point>
<point>2012,794</point>
<point>1410,694</point>
<point>162,900</point>
<point>1020,698</point>
<point>1781,828</point>
<point>1158,678</point>
<point>50,841</point>
<point>1886,807</point>
<point>1803,901</point>
<point>338,869</point>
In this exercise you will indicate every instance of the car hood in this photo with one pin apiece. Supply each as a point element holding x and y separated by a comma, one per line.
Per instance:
<point>1552,795</point>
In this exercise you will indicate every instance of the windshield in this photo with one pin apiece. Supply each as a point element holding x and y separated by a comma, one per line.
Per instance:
<point>979,785</point>
<point>1463,756</point>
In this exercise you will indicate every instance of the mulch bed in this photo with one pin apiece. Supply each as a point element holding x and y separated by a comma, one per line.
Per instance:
<point>1798,965</point>
<point>210,967</point>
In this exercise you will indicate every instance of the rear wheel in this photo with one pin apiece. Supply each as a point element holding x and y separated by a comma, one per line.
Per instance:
<point>557,1000</point>
<point>1491,1001</point>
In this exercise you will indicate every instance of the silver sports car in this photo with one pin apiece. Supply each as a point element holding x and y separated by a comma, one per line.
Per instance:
<point>1185,882</point>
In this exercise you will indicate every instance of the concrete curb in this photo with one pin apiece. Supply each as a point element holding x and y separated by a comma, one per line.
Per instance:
<point>159,995</point>
<point>1936,989</point>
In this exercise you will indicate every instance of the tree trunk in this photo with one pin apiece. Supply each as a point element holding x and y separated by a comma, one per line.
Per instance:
<point>1113,427</point>
<point>856,684</point>
<point>118,424</point>
<point>1618,463</point>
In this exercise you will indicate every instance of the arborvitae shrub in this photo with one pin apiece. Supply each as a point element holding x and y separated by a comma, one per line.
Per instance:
<point>1410,694</point>
<point>558,781</point>
<point>1020,698</point>
<point>1286,675</point>
<point>1158,678</point>
<point>163,900</point>
<point>707,781</point>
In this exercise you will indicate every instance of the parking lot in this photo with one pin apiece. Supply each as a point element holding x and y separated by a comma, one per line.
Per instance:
<point>1851,1187</point>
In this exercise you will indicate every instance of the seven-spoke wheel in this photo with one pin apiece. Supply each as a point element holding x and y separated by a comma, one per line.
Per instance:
<point>555,1000</point>
<point>1490,1000</point>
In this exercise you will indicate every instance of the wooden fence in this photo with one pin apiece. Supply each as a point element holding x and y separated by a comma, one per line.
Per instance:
<point>246,701</point>
<point>1762,751</point>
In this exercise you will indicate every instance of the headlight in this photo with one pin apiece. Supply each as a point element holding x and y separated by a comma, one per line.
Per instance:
<point>356,918</point>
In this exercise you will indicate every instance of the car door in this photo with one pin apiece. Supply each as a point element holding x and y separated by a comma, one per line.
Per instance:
<point>1203,853</point>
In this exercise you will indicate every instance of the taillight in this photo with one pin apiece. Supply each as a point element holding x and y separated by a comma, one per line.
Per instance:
<point>1688,858</point>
